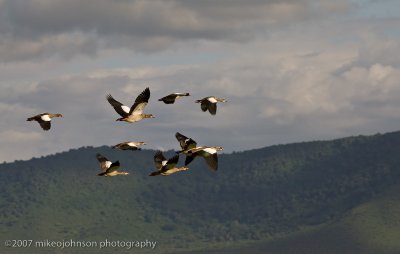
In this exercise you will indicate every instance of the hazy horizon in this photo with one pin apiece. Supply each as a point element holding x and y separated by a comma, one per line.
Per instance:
<point>220,152</point>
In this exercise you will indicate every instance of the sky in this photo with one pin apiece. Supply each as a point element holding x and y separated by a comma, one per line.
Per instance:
<point>291,70</point>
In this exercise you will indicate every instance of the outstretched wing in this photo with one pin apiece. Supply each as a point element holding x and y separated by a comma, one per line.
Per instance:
<point>189,159</point>
<point>185,142</point>
<point>210,155</point>
<point>159,159</point>
<point>140,102</point>
<point>114,166</point>
<point>101,158</point>
<point>121,109</point>
<point>172,162</point>
<point>169,99</point>
<point>104,162</point>
<point>126,146</point>
<point>212,161</point>
<point>212,108</point>
<point>44,124</point>
<point>205,105</point>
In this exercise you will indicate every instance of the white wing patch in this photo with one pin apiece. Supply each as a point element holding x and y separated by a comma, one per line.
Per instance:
<point>131,144</point>
<point>164,163</point>
<point>212,100</point>
<point>210,150</point>
<point>125,108</point>
<point>46,118</point>
<point>108,164</point>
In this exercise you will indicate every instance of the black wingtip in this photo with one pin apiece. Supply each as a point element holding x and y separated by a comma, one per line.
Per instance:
<point>189,159</point>
<point>115,164</point>
<point>147,91</point>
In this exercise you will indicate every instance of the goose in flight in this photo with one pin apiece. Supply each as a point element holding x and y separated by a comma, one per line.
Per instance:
<point>129,145</point>
<point>166,167</point>
<point>186,144</point>
<point>134,113</point>
<point>210,103</point>
<point>44,119</point>
<point>208,153</point>
<point>170,99</point>
<point>109,168</point>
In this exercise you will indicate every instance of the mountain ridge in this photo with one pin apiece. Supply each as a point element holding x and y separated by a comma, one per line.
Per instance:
<point>256,195</point>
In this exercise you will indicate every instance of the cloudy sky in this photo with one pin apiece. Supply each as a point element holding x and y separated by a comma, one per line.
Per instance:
<point>292,70</point>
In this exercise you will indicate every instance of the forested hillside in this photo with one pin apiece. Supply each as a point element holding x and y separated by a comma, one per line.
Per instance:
<point>256,196</point>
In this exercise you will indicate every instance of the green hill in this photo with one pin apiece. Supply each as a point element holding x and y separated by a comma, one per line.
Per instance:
<point>370,228</point>
<point>316,197</point>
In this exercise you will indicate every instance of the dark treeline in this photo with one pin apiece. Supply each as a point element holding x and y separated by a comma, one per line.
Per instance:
<point>256,194</point>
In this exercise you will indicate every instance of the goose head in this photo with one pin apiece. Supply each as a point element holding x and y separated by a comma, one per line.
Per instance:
<point>55,115</point>
<point>148,116</point>
<point>218,148</point>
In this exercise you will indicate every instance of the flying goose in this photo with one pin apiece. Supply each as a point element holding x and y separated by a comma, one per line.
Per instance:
<point>135,113</point>
<point>186,144</point>
<point>109,168</point>
<point>210,103</point>
<point>129,145</point>
<point>170,99</point>
<point>208,153</point>
<point>44,119</point>
<point>166,167</point>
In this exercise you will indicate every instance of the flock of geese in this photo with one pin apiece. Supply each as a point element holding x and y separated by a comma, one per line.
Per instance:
<point>135,113</point>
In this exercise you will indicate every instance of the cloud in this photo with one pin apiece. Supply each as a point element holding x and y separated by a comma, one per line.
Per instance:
<point>19,144</point>
<point>285,96</point>
<point>291,71</point>
<point>40,29</point>
<point>63,46</point>
<point>12,136</point>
